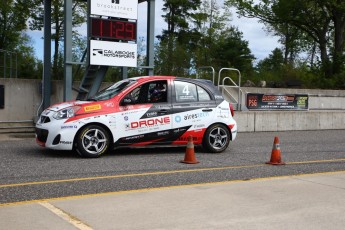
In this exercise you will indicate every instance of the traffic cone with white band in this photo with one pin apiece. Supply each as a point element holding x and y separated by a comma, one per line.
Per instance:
<point>189,157</point>
<point>275,156</point>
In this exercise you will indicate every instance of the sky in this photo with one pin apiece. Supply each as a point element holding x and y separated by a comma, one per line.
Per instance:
<point>260,43</point>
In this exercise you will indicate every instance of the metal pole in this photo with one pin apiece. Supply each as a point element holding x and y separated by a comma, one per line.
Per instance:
<point>124,72</point>
<point>11,68</point>
<point>47,54</point>
<point>68,51</point>
<point>16,65</point>
<point>5,54</point>
<point>150,36</point>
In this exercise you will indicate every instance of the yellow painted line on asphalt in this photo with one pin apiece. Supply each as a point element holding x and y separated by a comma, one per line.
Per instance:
<point>160,173</point>
<point>316,161</point>
<point>166,188</point>
<point>66,216</point>
<point>130,175</point>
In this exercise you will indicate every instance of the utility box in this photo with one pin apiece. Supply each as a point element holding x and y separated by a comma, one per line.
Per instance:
<point>2,96</point>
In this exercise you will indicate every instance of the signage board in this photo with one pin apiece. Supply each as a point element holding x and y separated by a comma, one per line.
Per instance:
<point>113,29</point>
<point>113,53</point>
<point>127,9</point>
<point>256,101</point>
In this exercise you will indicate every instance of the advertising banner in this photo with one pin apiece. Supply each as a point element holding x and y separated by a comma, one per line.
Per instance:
<point>113,53</point>
<point>115,8</point>
<point>256,101</point>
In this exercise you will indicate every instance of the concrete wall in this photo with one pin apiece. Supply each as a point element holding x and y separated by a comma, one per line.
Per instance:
<point>23,98</point>
<point>256,121</point>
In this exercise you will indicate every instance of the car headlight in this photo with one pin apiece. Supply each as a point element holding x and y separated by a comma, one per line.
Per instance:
<point>66,113</point>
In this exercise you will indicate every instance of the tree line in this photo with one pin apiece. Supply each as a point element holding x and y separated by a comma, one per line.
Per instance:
<point>199,33</point>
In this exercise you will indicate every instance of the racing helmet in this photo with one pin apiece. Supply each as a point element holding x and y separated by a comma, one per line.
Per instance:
<point>158,93</point>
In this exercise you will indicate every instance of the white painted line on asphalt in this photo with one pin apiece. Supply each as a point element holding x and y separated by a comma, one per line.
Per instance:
<point>65,216</point>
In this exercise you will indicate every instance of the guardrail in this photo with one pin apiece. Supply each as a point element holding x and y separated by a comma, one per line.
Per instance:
<point>237,102</point>
<point>234,85</point>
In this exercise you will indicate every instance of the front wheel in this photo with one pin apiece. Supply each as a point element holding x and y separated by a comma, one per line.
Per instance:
<point>92,141</point>
<point>216,138</point>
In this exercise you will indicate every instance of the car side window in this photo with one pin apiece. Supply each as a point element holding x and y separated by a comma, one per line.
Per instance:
<point>185,92</point>
<point>151,92</point>
<point>157,92</point>
<point>203,94</point>
<point>188,92</point>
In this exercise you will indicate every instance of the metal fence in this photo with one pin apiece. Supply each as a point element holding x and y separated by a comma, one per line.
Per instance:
<point>8,64</point>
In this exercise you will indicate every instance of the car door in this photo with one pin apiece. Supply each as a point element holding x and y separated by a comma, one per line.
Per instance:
<point>146,113</point>
<point>194,110</point>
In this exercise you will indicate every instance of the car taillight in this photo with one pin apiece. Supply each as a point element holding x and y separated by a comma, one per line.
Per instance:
<point>232,109</point>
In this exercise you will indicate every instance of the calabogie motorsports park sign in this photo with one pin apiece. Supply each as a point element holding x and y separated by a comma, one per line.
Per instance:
<point>113,32</point>
<point>257,101</point>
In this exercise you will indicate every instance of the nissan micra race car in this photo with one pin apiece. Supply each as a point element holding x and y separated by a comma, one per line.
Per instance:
<point>139,112</point>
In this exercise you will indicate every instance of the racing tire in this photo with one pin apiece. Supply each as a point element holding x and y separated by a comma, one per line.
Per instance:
<point>92,141</point>
<point>216,138</point>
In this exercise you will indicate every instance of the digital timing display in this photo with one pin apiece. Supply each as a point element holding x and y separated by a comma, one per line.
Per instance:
<point>113,29</point>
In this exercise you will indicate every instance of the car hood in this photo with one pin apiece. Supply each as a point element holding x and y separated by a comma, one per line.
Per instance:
<point>63,105</point>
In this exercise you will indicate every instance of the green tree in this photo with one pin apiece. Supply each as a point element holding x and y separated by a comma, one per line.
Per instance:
<point>232,51</point>
<point>28,65</point>
<point>176,62</point>
<point>209,40</point>
<point>220,44</point>
<point>173,52</point>
<point>209,23</point>
<point>273,62</point>
<point>322,21</point>
<point>13,17</point>
<point>78,18</point>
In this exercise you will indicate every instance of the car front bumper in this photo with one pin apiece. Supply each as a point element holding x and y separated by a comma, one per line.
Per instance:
<point>56,135</point>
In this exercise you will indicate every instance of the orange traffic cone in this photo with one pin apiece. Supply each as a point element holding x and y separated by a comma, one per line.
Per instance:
<point>189,157</point>
<point>275,156</point>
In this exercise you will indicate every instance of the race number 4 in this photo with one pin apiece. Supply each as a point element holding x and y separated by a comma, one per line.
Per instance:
<point>185,90</point>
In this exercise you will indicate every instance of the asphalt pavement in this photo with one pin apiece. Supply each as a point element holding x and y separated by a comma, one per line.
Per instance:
<point>315,201</point>
<point>308,201</point>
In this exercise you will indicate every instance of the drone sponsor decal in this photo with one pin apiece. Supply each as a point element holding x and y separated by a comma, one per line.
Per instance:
<point>149,123</point>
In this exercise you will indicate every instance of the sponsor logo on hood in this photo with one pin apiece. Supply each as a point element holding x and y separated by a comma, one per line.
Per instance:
<point>90,108</point>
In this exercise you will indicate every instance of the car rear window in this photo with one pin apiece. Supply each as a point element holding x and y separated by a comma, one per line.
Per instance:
<point>189,92</point>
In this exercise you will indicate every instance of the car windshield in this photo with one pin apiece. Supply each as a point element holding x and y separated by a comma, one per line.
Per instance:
<point>112,91</point>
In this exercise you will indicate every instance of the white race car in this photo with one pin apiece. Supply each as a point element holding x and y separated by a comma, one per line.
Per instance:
<point>141,111</point>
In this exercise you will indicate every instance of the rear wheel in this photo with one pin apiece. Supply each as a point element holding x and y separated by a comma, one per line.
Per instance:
<point>93,141</point>
<point>216,138</point>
